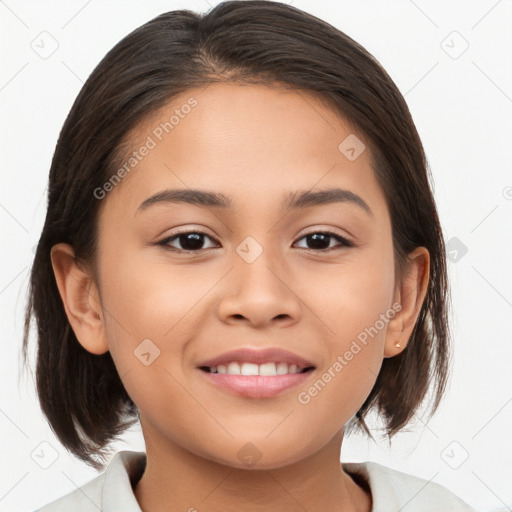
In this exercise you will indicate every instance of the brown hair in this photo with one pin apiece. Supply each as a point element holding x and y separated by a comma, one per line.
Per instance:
<point>249,41</point>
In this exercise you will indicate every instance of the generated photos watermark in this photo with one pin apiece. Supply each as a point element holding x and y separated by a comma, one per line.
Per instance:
<point>149,144</point>
<point>357,345</point>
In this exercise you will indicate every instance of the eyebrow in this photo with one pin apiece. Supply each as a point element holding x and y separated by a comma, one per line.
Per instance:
<point>295,200</point>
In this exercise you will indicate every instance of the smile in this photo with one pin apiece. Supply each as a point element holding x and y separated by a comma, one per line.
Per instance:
<point>256,385</point>
<point>266,369</point>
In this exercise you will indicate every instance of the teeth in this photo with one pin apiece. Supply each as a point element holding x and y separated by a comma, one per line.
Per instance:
<point>266,369</point>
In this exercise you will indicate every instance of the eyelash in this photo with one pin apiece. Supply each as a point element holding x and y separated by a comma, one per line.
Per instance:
<point>164,243</point>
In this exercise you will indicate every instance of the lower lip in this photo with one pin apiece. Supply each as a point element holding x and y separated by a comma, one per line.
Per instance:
<point>257,386</point>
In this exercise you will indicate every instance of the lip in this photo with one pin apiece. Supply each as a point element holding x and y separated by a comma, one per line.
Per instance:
<point>258,356</point>
<point>257,386</point>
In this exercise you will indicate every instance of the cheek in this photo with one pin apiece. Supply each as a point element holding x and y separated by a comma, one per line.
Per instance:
<point>148,310</point>
<point>149,296</point>
<point>354,306</point>
<point>151,307</point>
<point>350,296</point>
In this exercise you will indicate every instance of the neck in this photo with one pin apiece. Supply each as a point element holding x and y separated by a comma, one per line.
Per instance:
<point>176,479</point>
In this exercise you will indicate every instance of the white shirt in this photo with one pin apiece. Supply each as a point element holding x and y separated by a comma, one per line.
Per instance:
<point>391,490</point>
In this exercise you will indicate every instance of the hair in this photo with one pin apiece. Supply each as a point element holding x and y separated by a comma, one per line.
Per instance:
<point>243,42</point>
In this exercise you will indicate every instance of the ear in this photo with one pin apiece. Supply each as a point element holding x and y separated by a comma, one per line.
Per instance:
<point>80,296</point>
<point>410,294</point>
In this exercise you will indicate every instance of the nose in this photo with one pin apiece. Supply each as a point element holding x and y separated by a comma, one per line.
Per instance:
<point>259,294</point>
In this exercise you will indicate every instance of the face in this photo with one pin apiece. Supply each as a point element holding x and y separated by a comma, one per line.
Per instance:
<point>315,279</point>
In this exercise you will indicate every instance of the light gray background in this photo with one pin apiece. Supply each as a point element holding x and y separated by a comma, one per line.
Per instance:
<point>461,101</point>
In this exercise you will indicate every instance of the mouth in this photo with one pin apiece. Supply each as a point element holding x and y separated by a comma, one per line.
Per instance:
<point>256,381</point>
<point>257,372</point>
<point>256,361</point>
<point>268,369</point>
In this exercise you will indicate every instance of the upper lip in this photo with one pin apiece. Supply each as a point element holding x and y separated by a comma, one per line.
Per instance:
<point>258,356</point>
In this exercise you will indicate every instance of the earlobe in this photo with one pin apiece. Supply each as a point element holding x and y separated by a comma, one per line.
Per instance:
<point>79,294</point>
<point>410,295</point>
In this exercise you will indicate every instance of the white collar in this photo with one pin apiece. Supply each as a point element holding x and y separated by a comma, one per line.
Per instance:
<point>391,490</point>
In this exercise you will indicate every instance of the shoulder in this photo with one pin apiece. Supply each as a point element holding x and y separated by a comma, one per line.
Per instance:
<point>112,490</point>
<point>394,490</point>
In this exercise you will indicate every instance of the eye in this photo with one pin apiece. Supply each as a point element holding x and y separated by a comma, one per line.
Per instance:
<point>193,241</point>
<point>319,239</point>
<point>190,241</point>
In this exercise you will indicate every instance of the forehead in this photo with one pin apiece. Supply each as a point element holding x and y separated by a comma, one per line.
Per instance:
<point>247,141</point>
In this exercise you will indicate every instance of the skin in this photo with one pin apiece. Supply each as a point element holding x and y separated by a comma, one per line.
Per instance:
<point>254,144</point>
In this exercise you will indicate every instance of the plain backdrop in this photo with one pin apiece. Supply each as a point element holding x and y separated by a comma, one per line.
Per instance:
<point>451,61</point>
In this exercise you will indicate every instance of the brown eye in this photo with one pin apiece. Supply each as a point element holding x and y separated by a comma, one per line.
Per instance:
<point>191,241</point>
<point>321,240</point>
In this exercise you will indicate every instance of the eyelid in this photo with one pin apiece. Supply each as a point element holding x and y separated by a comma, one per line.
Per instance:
<point>188,229</point>
<point>326,230</point>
